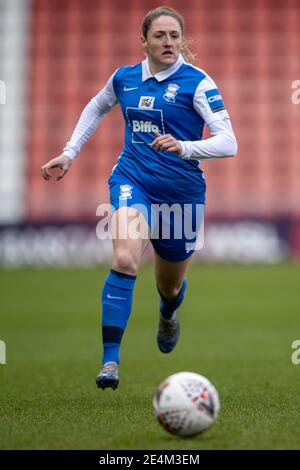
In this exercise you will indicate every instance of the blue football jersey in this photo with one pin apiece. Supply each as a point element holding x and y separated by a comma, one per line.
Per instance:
<point>179,101</point>
<point>164,106</point>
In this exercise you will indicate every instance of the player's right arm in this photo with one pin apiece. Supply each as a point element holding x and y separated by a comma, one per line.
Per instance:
<point>88,122</point>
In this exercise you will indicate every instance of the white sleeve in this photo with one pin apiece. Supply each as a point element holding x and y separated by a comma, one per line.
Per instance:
<point>208,101</point>
<point>222,144</point>
<point>90,118</point>
<point>209,105</point>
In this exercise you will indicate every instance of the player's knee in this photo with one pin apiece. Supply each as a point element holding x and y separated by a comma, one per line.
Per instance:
<point>125,262</point>
<point>169,291</point>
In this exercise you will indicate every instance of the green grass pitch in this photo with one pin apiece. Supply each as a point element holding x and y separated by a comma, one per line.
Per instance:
<point>238,324</point>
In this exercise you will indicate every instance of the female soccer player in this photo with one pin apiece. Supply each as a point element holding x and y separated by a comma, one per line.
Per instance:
<point>165,102</point>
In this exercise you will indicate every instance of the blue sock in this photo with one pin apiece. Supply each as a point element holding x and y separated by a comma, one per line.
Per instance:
<point>168,306</point>
<point>116,308</point>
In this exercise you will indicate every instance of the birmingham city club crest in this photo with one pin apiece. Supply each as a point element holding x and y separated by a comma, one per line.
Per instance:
<point>171,92</point>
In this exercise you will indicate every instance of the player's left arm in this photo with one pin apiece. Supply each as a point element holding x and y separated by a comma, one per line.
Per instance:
<point>209,105</point>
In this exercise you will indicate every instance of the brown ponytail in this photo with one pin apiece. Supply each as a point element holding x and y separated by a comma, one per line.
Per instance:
<point>188,55</point>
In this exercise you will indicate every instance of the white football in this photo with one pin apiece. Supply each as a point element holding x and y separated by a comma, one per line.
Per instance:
<point>186,404</point>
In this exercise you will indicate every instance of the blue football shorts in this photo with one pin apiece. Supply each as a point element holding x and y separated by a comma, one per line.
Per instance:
<point>176,229</point>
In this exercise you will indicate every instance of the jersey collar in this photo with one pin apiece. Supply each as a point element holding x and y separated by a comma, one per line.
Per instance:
<point>160,76</point>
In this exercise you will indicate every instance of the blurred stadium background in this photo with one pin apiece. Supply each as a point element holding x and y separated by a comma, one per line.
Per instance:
<point>56,54</point>
<point>238,322</point>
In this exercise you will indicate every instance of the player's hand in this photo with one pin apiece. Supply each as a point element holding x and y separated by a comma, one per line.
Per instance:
<point>62,161</point>
<point>166,143</point>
